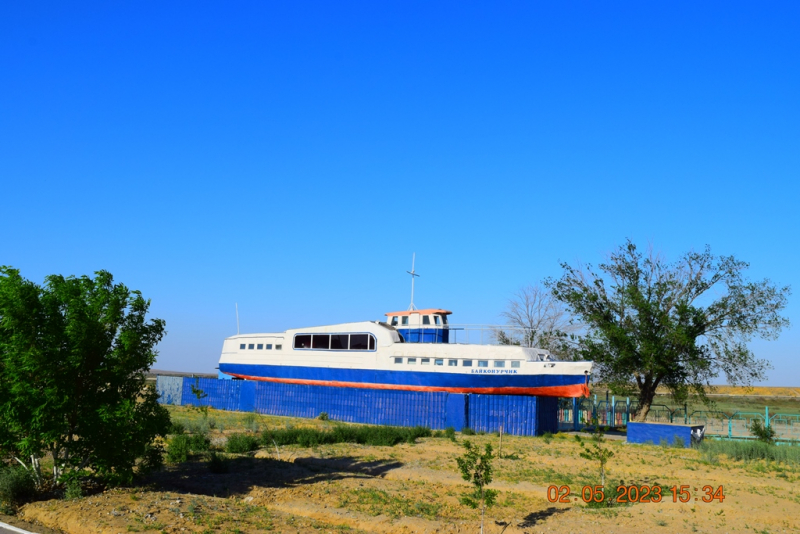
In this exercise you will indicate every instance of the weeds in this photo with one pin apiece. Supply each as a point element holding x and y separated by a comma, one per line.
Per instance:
<point>251,422</point>
<point>751,450</point>
<point>386,436</point>
<point>467,431</point>
<point>377,502</point>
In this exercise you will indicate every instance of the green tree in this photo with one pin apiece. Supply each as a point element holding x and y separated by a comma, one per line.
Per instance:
<point>73,358</point>
<point>476,468</point>
<point>651,323</point>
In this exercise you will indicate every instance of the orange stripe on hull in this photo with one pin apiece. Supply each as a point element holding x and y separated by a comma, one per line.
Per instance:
<point>576,390</point>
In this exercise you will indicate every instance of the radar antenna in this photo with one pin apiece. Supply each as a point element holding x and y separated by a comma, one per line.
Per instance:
<point>413,275</point>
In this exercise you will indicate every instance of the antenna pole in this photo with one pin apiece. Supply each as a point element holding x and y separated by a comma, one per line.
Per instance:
<point>237,318</point>
<point>413,275</point>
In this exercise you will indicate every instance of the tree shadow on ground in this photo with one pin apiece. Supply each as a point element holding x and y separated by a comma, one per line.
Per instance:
<point>533,518</point>
<point>244,473</point>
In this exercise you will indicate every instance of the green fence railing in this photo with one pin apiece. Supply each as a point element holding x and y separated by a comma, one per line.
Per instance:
<point>577,414</point>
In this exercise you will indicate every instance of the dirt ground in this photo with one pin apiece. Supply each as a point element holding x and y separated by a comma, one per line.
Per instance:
<point>416,489</point>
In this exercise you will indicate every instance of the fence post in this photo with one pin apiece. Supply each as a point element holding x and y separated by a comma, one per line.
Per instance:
<point>613,410</point>
<point>575,414</point>
<point>766,416</point>
<point>594,409</point>
<point>730,427</point>
<point>627,410</point>
<point>685,414</point>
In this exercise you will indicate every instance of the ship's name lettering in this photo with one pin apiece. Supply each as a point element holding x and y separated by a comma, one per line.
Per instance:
<point>495,371</point>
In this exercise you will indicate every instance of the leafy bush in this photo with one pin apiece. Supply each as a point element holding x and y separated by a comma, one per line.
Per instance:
<point>241,443</point>
<point>450,433</point>
<point>386,436</point>
<point>547,437</point>
<point>152,460</point>
<point>178,449</point>
<point>467,431</point>
<point>199,443</point>
<point>73,489</point>
<point>177,428</point>
<point>762,432</point>
<point>16,488</point>
<point>323,416</point>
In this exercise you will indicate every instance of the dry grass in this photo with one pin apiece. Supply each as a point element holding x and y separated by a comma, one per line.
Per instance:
<point>415,488</point>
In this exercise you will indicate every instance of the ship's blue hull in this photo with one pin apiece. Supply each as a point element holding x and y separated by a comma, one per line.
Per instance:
<point>480,380</point>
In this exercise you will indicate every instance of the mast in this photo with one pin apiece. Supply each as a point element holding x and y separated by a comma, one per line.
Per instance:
<point>413,275</point>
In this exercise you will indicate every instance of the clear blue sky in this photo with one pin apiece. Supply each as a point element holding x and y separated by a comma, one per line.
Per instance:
<point>290,156</point>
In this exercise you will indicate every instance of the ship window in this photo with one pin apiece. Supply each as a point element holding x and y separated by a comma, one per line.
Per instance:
<point>444,319</point>
<point>404,321</point>
<point>394,320</point>
<point>321,341</point>
<point>302,342</point>
<point>425,361</point>
<point>398,360</point>
<point>452,363</point>
<point>436,319</point>
<point>251,346</point>
<point>269,346</point>
<point>339,342</point>
<point>358,341</point>
<point>483,363</point>
<point>260,346</point>
<point>242,346</point>
<point>278,347</point>
<point>499,363</point>
<point>426,319</point>
<point>412,361</point>
<point>371,342</point>
<point>438,361</point>
<point>515,364</point>
<point>466,363</point>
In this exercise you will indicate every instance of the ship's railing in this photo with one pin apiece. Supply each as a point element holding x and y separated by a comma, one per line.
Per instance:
<point>472,334</point>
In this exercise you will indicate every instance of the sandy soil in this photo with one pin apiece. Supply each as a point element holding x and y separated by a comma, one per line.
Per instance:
<point>416,488</point>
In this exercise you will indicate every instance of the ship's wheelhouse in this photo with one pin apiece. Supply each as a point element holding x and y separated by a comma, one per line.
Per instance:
<point>421,326</point>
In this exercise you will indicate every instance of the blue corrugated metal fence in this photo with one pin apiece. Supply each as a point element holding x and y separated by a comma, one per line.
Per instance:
<point>518,414</point>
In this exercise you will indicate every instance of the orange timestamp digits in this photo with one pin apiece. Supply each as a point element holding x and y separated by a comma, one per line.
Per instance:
<point>635,494</point>
<point>682,493</point>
